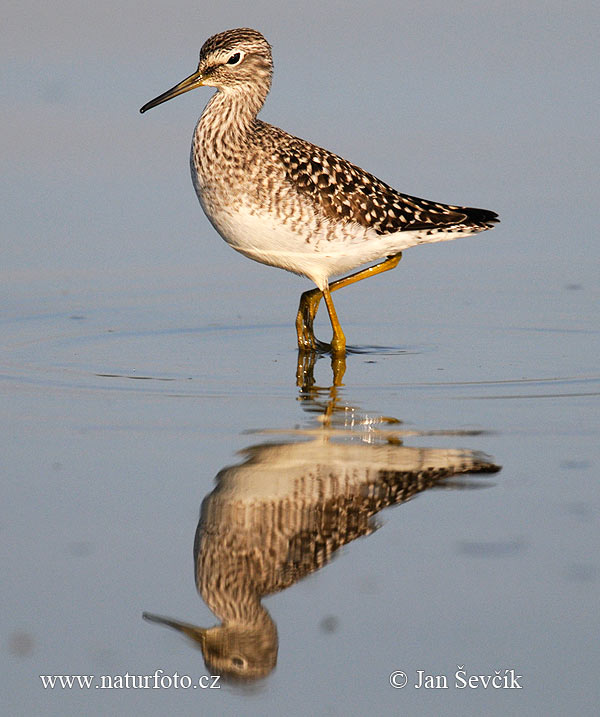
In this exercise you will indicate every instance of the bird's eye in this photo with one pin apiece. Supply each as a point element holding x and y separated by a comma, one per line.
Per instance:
<point>235,59</point>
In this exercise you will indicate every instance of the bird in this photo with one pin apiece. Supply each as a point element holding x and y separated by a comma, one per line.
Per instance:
<point>284,513</point>
<point>285,202</point>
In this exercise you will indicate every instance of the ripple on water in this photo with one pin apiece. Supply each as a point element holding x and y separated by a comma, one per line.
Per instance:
<point>77,351</point>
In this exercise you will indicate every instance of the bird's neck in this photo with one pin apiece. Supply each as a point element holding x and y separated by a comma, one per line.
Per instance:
<point>238,603</point>
<point>229,117</point>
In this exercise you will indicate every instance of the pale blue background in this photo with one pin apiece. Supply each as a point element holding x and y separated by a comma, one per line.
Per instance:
<point>110,267</point>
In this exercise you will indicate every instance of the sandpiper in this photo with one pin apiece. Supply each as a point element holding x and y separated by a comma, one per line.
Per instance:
<point>285,202</point>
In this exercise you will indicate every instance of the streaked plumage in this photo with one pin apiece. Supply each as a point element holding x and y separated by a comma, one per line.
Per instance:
<point>285,202</point>
<point>282,514</point>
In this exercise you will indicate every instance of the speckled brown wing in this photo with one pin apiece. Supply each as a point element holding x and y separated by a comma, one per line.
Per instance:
<point>344,191</point>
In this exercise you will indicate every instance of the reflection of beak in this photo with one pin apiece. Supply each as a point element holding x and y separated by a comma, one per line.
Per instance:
<point>197,634</point>
<point>190,83</point>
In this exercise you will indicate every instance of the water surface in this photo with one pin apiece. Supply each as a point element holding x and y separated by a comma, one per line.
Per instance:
<point>147,370</point>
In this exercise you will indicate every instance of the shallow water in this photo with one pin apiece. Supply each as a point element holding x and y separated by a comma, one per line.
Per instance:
<point>147,370</point>
<point>114,437</point>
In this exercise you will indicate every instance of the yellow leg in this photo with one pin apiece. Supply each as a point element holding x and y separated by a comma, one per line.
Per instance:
<point>338,342</point>
<point>307,310</point>
<point>309,303</point>
<point>390,263</point>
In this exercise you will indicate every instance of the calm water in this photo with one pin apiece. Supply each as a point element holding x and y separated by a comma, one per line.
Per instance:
<point>438,512</point>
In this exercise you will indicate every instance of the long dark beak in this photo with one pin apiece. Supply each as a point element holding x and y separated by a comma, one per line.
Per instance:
<point>190,83</point>
<point>197,634</point>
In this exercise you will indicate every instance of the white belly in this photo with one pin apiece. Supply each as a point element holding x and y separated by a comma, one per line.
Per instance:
<point>303,245</point>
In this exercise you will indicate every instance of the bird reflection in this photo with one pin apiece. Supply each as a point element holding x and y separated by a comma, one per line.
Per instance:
<point>284,511</point>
